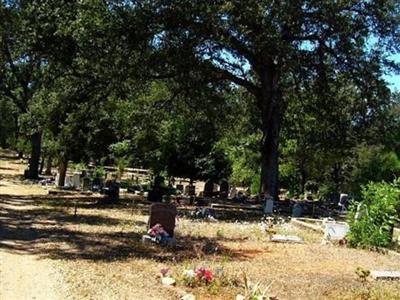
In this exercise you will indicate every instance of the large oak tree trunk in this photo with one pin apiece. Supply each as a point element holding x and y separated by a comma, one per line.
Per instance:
<point>33,168</point>
<point>62,171</point>
<point>270,157</point>
<point>271,115</point>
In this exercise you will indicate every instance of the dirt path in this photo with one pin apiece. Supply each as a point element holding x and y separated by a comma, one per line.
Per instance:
<point>22,275</point>
<point>26,277</point>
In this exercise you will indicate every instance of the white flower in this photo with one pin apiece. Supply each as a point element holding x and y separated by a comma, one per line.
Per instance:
<point>189,273</point>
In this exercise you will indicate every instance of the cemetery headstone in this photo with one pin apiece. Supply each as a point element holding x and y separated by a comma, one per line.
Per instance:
<point>191,190</point>
<point>69,181</point>
<point>164,214</point>
<point>385,275</point>
<point>186,190</point>
<point>278,238</point>
<point>233,193</point>
<point>76,180</point>
<point>297,210</point>
<point>208,188</point>
<point>343,201</point>
<point>157,192</point>
<point>158,181</point>
<point>85,183</point>
<point>224,189</point>
<point>335,232</point>
<point>97,184</point>
<point>268,205</point>
<point>111,191</point>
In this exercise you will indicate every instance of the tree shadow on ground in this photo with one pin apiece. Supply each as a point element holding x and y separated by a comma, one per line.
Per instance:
<point>7,168</point>
<point>15,178</point>
<point>5,156</point>
<point>26,227</point>
<point>230,215</point>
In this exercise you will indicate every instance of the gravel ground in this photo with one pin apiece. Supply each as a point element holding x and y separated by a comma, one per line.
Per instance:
<point>25,277</point>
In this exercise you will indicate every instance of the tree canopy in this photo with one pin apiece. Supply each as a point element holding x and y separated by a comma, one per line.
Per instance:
<point>205,89</point>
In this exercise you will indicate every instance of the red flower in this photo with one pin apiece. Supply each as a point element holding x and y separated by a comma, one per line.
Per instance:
<point>208,276</point>
<point>204,274</point>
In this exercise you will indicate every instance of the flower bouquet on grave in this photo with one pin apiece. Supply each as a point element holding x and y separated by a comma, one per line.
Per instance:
<point>202,276</point>
<point>189,277</point>
<point>158,233</point>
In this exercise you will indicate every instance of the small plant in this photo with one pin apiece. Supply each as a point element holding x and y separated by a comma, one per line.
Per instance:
<point>79,167</point>
<point>267,226</point>
<point>122,164</point>
<point>372,220</point>
<point>253,291</point>
<point>99,172</point>
<point>362,274</point>
<point>220,233</point>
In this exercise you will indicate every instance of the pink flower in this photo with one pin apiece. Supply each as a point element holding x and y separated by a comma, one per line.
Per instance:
<point>164,272</point>
<point>157,230</point>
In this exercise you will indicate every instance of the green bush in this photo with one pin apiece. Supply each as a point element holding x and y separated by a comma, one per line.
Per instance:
<point>255,185</point>
<point>124,184</point>
<point>372,220</point>
<point>326,191</point>
<point>78,167</point>
<point>99,172</point>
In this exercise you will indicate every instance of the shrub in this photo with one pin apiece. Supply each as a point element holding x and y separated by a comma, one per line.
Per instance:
<point>327,191</point>
<point>99,172</point>
<point>372,220</point>
<point>127,183</point>
<point>255,185</point>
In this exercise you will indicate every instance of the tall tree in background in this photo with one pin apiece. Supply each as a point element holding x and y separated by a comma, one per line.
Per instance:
<point>29,40</point>
<point>45,44</point>
<point>320,136</point>
<point>266,46</point>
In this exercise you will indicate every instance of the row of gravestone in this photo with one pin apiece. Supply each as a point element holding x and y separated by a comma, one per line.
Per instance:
<point>211,189</point>
<point>76,180</point>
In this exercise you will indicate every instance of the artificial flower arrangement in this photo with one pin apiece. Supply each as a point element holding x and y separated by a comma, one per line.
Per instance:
<point>205,277</point>
<point>198,277</point>
<point>158,235</point>
<point>193,277</point>
<point>157,231</point>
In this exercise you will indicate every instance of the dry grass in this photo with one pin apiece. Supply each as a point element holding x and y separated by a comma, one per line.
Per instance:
<point>101,256</point>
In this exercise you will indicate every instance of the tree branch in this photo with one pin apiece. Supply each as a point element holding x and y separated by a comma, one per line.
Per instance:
<point>226,75</point>
<point>240,47</point>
